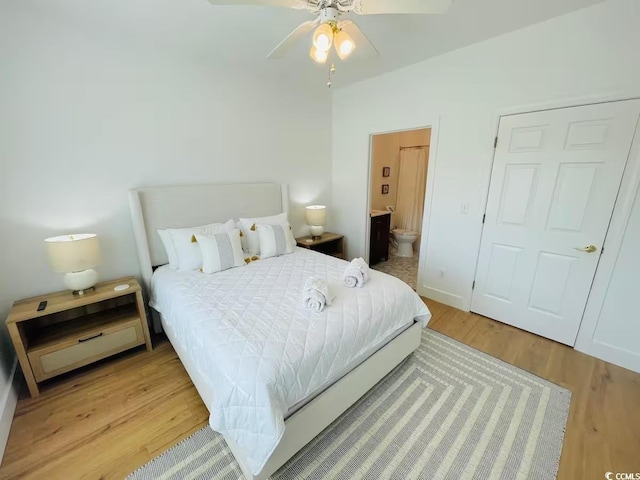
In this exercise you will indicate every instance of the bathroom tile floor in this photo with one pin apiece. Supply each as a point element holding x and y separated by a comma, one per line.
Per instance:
<point>406,269</point>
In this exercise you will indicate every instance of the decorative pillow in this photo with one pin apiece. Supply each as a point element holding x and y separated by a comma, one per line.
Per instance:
<point>165,236</point>
<point>275,240</point>
<point>251,243</point>
<point>220,251</point>
<point>184,241</point>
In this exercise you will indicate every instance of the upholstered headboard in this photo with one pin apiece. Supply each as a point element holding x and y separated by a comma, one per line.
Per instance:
<point>190,205</point>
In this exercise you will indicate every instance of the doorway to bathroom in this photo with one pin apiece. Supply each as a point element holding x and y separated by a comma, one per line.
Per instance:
<point>399,166</point>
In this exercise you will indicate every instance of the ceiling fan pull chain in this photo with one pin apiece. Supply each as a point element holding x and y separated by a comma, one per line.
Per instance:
<point>332,71</point>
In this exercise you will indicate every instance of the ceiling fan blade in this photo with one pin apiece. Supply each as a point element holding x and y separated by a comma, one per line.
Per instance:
<point>360,39</point>
<point>381,7</point>
<point>288,43</point>
<point>269,3</point>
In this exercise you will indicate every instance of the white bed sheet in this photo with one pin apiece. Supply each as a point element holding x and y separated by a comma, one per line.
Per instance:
<point>263,352</point>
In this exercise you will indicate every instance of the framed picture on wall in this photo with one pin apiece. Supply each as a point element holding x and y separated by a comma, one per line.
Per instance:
<point>385,189</point>
<point>386,171</point>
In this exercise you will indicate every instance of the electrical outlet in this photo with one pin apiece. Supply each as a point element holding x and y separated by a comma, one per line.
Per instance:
<point>464,208</point>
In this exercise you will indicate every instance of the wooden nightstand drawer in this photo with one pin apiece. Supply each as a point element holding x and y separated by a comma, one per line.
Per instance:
<point>80,350</point>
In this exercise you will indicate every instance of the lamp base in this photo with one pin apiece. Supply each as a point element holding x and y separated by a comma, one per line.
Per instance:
<point>79,293</point>
<point>82,282</point>
<point>316,231</point>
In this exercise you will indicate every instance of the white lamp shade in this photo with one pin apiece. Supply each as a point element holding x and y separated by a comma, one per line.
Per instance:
<point>323,37</point>
<point>73,253</point>
<point>344,44</point>
<point>316,215</point>
<point>319,56</point>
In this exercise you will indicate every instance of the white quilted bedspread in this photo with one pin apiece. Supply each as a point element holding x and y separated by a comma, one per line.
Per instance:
<point>249,333</point>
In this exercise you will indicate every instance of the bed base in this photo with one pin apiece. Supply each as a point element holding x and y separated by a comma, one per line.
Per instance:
<point>305,424</point>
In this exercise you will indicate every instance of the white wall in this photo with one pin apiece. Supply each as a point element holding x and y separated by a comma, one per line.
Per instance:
<point>589,52</point>
<point>85,116</point>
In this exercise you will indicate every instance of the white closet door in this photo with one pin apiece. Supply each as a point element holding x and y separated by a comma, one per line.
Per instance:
<point>555,179</point>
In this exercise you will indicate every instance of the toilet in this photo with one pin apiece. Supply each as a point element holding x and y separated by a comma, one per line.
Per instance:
<point>405,240</point>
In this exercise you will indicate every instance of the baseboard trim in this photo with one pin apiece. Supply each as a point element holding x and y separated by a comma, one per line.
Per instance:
<point>9,407</point>
<point>441,296</point>
<point>610,353</point>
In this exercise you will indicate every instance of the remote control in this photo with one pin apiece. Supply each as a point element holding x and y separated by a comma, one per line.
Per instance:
<point>42,305</point>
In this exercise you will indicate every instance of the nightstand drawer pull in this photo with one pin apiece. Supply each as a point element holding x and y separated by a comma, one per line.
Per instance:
<point>80,340</point>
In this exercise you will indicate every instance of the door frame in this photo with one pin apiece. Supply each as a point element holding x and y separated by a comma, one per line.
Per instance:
<point>629,186</point>
<point>434,125</point>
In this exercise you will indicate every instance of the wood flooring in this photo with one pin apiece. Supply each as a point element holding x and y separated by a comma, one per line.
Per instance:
<point>106,420</point>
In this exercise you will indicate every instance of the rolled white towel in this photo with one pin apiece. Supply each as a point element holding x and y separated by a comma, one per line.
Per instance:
<point>364,267</point>
<point>314,301</point>
<point>353,279</point>
<point>356,274</point>
<point>318,285</point>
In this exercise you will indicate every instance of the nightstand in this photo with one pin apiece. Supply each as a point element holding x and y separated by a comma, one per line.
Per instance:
<point>74,331</point>
<point>329,244</point>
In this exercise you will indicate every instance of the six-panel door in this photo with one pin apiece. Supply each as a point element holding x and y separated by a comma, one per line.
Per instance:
<point>555,179</point>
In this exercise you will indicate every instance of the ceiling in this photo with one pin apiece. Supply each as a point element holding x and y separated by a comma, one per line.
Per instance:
<point>243,35</point>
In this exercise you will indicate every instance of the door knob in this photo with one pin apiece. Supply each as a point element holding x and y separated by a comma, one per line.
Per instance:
<point>588,249</point>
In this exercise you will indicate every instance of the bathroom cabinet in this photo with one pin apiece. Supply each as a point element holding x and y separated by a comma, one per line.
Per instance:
<point>379,238</point>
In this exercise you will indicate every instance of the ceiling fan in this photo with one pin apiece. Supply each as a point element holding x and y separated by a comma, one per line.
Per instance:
<point>330,30</point>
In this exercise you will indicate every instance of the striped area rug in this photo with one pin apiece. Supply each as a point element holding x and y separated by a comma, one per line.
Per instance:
<point>449,411</point>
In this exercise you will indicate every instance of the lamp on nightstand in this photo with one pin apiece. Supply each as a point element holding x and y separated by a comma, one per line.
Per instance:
<point>76,256</point>
<point>316,216</point>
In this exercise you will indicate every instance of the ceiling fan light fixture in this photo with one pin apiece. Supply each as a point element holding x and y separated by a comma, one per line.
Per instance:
<point>319,56</point>
<point>323,37</point>
<point>344,44</point>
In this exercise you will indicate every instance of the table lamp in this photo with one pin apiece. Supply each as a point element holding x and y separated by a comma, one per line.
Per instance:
<point>76,256</point>
<point>316,216</point>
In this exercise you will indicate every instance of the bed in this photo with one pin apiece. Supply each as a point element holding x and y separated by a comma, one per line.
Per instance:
<point>272,373</point>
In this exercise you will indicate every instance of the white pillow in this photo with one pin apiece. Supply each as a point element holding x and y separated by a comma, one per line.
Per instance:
<point>251,243</point>
<point>220,251</point>
<point>185,244</point>
<point>165,236</point>
<point>275,240</point>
